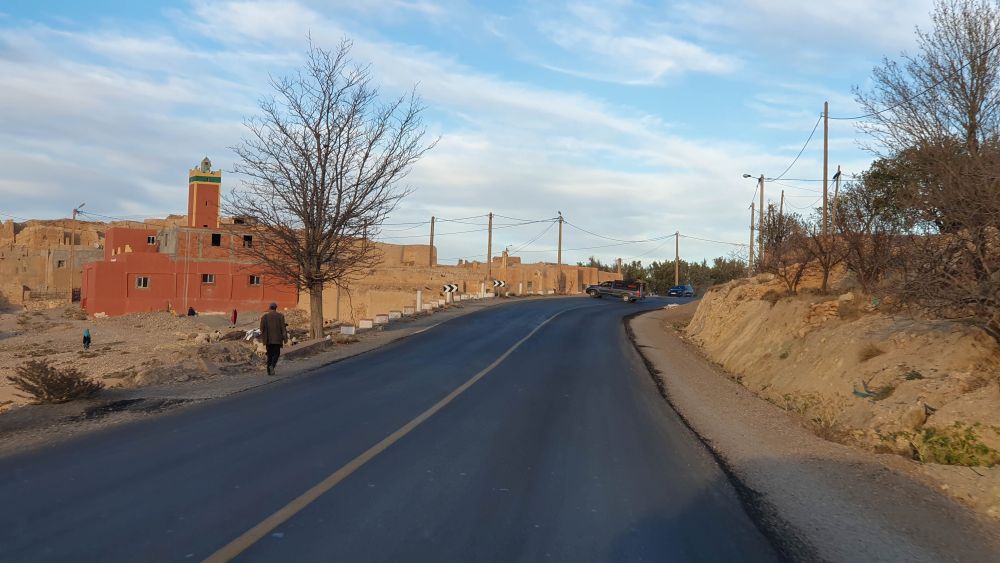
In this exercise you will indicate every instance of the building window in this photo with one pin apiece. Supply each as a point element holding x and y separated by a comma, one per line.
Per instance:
<point>60,263</point>
<point>254,280</point>
<point>216,239</point>
<point>247,241</point>
<point>150,239</point>
<point>208,278</point>
<point>142,282</point>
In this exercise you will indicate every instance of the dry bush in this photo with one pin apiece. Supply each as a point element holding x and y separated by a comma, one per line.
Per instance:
<point>869,351</point>
<point>47,384</point>
<point>772,296</point>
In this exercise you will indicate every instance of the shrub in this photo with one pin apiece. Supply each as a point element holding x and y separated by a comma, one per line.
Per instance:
<point>47,384</point>
<point>869,351</point>
<point>913,375</point>
<point>955,445</point>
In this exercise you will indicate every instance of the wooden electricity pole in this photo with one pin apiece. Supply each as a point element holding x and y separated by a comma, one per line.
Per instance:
<point>750,261</point>
<point>826,158</point>
<point>559,270</point>
<point>72,252</point>
<point>760,221</point>
<point>430,253</point>
<point>489,251</point>
<point>781,207</point>
<point>836,192</point>
<point>677,257</point>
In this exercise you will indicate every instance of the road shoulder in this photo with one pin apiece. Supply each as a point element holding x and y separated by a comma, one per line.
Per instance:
<point>817,499</point>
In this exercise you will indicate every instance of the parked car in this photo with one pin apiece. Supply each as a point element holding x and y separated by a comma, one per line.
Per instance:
<point>629,291</point>
<point>681,291</point>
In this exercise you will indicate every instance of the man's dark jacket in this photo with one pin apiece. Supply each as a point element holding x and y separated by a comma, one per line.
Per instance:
<point>272,328</point>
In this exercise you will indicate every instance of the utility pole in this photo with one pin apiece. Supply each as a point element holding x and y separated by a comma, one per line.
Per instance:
<point>677,257</point>
<point>826,158</point>
<point>781,208</point>
<point>489,251</point>
<point>760,221</point>
<point>836,191</point>
<point>72,252</point>
<point>559,273</point>
<point>430,252</point>
<point>750,261</point>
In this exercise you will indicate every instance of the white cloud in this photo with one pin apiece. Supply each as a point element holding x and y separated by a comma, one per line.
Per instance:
<point>612,47</point>
<point>118,117</point>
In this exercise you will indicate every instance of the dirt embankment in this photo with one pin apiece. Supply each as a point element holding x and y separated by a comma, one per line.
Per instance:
<point>866,376</point>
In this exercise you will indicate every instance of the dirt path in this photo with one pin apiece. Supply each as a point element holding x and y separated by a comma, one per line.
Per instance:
<point>818,499</point>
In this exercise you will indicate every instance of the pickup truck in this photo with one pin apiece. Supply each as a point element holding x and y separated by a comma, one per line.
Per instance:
<point>628,291</point>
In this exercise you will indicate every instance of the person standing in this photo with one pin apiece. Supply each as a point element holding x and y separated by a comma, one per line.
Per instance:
<point>86,339</point>
<point>273,333</point>
<point>232,319</point>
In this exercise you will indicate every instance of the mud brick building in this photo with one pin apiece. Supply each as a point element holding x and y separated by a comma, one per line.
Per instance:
<point>198,264</point>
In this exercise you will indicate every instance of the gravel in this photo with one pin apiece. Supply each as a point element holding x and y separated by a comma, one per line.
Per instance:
<point>816,499</point>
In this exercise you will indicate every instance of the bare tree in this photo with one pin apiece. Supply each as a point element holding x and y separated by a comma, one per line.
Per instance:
<point>825,250</point>
<point>956,273</point>
<point>788,252</point>
<point>777,228</point>
<point>949,90</point>
<point>323,164</point>
<point>936,115</point>
<point>872,224</point>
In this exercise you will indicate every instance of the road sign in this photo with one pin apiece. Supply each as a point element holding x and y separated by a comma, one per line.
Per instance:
<point>499,283</point>
<point>449,287</point>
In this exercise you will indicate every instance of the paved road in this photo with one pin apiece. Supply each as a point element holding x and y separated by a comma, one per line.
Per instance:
<point>562,452</point>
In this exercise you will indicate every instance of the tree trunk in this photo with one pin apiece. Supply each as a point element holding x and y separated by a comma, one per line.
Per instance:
<point>316,310</point>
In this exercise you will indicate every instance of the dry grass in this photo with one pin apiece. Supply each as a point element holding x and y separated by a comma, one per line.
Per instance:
<point>46,384</point>
<point>869,351</point>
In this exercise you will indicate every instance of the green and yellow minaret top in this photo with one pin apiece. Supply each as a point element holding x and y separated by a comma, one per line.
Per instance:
<point>204,195</point>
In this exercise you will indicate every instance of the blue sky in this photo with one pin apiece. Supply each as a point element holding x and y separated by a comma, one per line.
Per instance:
<point>635,119</point>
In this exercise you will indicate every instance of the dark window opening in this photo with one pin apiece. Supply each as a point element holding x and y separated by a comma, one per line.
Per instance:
<point>216,239</point>
<point>60,264</point>
<point>142,282</point>
<point>254,280</point>
<point>150,239</point>
<point>208,278</point>
<point>247,241</point>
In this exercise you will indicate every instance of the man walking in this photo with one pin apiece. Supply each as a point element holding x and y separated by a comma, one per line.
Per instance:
<point>273,333</point>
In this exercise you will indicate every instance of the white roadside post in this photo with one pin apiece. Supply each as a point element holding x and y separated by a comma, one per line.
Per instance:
<point>420,300</point>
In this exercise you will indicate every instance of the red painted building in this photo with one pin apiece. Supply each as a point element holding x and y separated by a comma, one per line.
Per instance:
<point>199,265</point>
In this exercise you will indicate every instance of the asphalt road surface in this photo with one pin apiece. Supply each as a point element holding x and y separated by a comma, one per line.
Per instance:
<point>524,432</point>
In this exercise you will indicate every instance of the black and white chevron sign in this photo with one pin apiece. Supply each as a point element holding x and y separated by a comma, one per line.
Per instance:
<point>449,287</point>
<point>499,283</point>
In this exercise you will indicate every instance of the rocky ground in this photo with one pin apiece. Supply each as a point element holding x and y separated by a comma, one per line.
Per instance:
<point>153,362</point>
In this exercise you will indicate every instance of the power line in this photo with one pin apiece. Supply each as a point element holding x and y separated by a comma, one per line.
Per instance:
<point>538,236</point>
<point>715,241</point>
<point>806,144</point>
<point>654,239</point>
<point>5,214</point>
<point>922,92</point>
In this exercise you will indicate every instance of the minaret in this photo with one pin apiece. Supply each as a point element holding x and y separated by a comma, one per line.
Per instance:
<point>204,195</point>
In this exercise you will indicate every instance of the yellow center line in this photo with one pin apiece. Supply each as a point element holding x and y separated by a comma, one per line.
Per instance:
<point>253,535</point>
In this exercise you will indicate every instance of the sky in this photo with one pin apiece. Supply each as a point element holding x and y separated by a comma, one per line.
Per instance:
<point>634,119</point>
